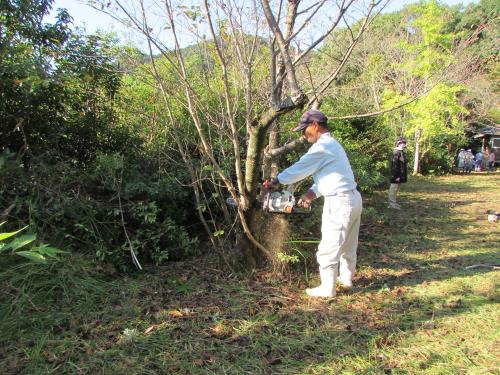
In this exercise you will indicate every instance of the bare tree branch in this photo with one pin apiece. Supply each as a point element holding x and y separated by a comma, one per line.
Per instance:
<point>290,146</point>
<point>230,114</point>
<point>342,10</point>
<point>296,93</point>
<point>367,20</point>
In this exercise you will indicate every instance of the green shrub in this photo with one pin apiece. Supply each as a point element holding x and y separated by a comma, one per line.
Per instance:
<point>80,208</point>
<point>40,253</point>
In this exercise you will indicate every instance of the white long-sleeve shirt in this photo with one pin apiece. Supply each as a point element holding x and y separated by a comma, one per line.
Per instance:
<point>327,162</point>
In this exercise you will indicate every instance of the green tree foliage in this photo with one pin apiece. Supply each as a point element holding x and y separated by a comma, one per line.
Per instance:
<point>30,96</point>
<point>430,41</point>
<point>99,151</point>
<point>88,74</point>
<point>483,19</point>
<point>479,28</point>
<point>424,58</point>
<point>423,69</point>
<point>78,164</point>
<point>434,122</point>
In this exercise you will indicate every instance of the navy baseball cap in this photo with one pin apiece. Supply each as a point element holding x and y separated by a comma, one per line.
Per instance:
<point>309,117</point>
<point>400,140</point>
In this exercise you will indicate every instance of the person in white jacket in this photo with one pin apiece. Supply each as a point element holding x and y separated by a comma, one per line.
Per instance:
<point>327,162</point>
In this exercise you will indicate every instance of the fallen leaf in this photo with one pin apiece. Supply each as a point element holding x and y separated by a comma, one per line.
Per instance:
<point>173,368</point>
<point>49,357</point>
<point>198,362</point>
<point>175,313</point>
<point>271,358</point>
<point>149,329</point>
<point>219,328</point>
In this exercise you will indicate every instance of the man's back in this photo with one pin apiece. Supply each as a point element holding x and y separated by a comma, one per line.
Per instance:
<point>327,162</point>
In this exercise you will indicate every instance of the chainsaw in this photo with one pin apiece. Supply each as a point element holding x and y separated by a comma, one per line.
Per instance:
<point>282,202</point>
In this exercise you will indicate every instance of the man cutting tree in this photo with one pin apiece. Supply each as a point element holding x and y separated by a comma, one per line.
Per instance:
<point>327,162</point>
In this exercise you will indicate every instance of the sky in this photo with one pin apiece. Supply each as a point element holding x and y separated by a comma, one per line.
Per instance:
<point>92,20</point>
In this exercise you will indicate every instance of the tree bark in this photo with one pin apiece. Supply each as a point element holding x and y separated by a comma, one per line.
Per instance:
<point>270,168</point>
<point>416,162</point>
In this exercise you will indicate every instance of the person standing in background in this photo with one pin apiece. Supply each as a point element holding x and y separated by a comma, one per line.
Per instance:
<point>469,161</point>
<point>491,160</point>
<point>461,160</point>
<point>478,160</point>
<point>399,172</point>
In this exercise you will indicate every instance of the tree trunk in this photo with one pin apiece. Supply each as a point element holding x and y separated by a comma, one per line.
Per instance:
<point>255,151</point>
<point>270,168</point>
<point>271,230</point>
<point>416,163</point>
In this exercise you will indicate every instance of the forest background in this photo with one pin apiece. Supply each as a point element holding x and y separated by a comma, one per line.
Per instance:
<point>105,153</point>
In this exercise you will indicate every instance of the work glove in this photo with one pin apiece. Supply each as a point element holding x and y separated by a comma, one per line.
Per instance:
<point>306,200</point>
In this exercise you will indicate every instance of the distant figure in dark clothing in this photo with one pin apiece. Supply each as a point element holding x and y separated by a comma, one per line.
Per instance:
<point>399,172</point>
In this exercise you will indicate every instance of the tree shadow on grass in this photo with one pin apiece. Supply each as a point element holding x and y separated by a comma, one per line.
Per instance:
<point>378,311</point>
<point>218,324</point>
<point>428,237</point>
<point>399,250</point>
<point>400,254</point>
<point>320,336</point>
<point>433,185</point>
<point>225,325</point>
<point>337,339</point>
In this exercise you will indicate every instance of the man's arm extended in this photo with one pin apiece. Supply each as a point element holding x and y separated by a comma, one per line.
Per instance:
<point>304,167</point>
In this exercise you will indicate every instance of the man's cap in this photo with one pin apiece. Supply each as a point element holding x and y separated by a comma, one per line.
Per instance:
<point>400,140</point>
<point>309,117</point>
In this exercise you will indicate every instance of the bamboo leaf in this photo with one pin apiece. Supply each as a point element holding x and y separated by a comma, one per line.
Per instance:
<point>47,250</point>
<point>4,236</point>
<point>32,255</point>
<point>22,241</point>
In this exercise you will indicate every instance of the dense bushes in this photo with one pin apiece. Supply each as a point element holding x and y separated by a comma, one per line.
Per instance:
<point>69,167</point>
<point>80,209</point>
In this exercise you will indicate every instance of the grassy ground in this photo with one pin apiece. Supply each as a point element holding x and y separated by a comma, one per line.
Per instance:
<point>415,307</point>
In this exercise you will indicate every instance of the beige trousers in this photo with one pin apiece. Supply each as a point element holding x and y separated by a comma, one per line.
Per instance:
<point>339,237</point>
<point>393,192</point>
